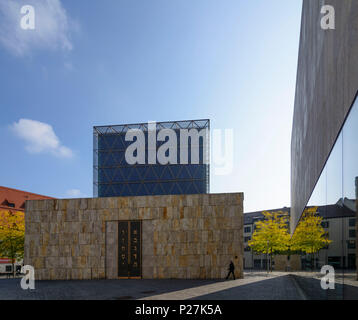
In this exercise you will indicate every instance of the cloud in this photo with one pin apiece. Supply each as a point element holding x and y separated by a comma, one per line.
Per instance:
<point>52,26</point>
<point>74,193</point>
<point>40,138</point>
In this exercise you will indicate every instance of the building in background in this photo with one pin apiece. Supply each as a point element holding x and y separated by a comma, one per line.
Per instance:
<point>252,260</point>
<point>334,217</point>
<point>14,200</point>
<point>113,176</point>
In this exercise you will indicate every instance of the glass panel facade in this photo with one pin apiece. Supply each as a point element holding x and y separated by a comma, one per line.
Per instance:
<point>334,200</point>
<point>113,176</point>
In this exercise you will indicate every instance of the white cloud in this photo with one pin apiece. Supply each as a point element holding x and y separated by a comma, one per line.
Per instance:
<point>40,138</point>
<point>74,193</point>
<point>52,26</point>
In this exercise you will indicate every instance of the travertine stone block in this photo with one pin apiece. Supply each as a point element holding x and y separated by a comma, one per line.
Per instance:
<point>184,236</point>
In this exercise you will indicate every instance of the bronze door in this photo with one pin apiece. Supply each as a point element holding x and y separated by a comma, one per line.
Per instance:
<point>129,249</point>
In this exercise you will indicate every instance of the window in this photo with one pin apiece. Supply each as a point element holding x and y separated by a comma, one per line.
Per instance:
<point>8,269</point>
<point>255,224</point>
<point>8,204</point>
<point>257,263</point>
<point>246,239</point>
<point>246,249</point>
<point>334,261</point>
<point>352,222</point>
<point>335,196</point>
<point>325,224</point>
<point>247,229</point>
<point>351,244</point>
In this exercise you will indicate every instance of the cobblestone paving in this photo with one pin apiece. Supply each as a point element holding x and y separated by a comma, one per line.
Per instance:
<point>93,289</point>
<point>254,286</point>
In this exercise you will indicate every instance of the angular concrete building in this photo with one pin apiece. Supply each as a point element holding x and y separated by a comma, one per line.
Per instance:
<point>149,237</point>
<point>326,89</point>
<point>324,147</point>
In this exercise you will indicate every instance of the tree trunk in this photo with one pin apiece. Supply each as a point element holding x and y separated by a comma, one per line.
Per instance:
<point>313,266</point>
<point>12,259</point>
<point>271,260</point>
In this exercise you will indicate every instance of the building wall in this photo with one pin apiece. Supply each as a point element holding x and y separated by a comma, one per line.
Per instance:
<point>325,90</point>
<point>339,234</point>
<point>282,263</point>
<point>335,249</point>
<point>184,236</point>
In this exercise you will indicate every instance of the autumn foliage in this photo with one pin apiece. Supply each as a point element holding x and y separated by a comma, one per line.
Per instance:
<point>272,236</point>
<point>309,236</point>
<point>12,235</point>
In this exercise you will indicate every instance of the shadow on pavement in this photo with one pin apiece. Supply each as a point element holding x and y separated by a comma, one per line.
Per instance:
<point>313,291</point>
<point>283,287</point>
<point>278,288</point>
<point>125,289</point>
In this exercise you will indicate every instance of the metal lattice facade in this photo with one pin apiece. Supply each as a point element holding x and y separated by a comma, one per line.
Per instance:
<point>113,176</point>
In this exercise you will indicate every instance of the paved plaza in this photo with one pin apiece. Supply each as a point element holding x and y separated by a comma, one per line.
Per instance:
<point>255,286</point>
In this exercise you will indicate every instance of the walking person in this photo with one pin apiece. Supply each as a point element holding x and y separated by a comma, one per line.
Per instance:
<point>231,270</point>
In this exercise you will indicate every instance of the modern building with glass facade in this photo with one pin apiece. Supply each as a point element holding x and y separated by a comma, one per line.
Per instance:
<point>114,176</point>
<point>324,148</point>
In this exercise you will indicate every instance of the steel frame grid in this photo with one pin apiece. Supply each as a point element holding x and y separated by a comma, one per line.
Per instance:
<point>115,130</point>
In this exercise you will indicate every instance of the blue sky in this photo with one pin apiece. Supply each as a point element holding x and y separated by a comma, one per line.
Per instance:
<point>122,61</point>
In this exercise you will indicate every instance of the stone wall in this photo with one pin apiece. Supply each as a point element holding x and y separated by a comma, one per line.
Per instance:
<point>282,263</point>
<point>183,237</point>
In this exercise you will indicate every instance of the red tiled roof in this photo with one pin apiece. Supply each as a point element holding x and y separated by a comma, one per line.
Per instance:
<point>14,200</point>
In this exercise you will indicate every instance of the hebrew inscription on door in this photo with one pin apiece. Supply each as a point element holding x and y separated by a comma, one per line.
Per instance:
<point>129,249</point>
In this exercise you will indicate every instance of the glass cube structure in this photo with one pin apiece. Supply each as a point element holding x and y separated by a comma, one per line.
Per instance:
<point>113,176</point>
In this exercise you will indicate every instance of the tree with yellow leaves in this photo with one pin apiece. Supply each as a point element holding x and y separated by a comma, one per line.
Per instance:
<point>309,236</point>
<point>12,235</point>
<point>271,235</point>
